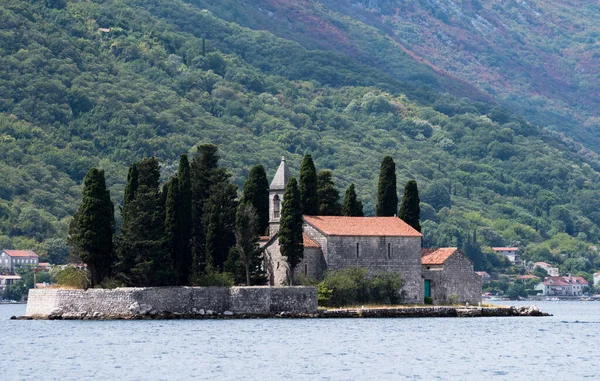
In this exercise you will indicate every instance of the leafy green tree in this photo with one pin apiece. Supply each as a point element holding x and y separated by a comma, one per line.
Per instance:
<point>328,195</point>
<point>387,196</point>
<point>290,231</point>
<point>309,198</point>
<point>91,232</point>
<point>437,195</point>
<point>57,250</point>
<point>539,272</point>
<point>352,206</point>
<point>410,211</point>
<point>256,191</point>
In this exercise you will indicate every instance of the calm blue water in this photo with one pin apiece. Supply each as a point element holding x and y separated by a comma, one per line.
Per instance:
<point>563,346</point>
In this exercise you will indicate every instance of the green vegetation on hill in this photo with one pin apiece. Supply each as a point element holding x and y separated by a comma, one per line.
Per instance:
<point>168,76</point>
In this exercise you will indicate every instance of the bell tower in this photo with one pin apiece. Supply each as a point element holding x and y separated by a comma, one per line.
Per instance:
<point>276,190</point>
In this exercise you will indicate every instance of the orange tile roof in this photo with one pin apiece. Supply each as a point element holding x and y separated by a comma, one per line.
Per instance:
<point>264,238</point>
<point>362,226</point>
<point>20,253</point>
<point>308,242</point>
<point>436,257</point>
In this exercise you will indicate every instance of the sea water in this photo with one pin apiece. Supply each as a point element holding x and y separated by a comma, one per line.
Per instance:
<point>565,345</point>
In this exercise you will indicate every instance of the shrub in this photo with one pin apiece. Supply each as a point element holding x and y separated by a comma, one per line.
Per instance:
<point>428,300</point>
<point>73,277</point>
<point>453,298</point>
<point>352,286</point>
<point>386,288</point>
<point>324,294</point>
<point>213,280</point>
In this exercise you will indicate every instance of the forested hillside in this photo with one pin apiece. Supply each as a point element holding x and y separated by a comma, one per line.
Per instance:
<point>107,83</point>
<point>539,57</point>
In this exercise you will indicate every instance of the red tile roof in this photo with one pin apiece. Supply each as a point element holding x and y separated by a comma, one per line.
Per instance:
<point>482,273</point>
<point>505,248</point>
<point>555,281</point>
<point>436,257</point>
<point>21,253</point>
<point>263,238</point>
<point>362,226</point>
<point>308,242</point>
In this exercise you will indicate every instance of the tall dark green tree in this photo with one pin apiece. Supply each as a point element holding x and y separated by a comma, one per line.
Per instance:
<point>184,267</point>
<point>91,232</point>
<point>290,230</point>
<point>328,195</point>
<point>309,199</point>
<point>143,254</point>
<point>246,238</point>
<point>387,196</point>
<point>132,184</point>
<point>202,170</point>
<point>219,219</point>
<point>410,211</point>
<point>174,220</point>
<point>352,206</point>
<point>256,191</point>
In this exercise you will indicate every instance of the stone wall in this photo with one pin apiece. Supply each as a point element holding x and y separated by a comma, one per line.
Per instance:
<point>455,276</point>
<point>380,254</point>
<point>189,301</point>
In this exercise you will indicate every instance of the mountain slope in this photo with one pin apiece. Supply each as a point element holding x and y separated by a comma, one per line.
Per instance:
<point>537,57</point>
<point>103,84</point>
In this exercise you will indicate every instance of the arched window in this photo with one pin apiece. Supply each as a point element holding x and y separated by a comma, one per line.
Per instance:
<point>276,206</point>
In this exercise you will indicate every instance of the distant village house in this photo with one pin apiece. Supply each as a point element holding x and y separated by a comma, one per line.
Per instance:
<point>562,286</point>
<point>512,253</point>
<point>12,259</point>
<point>552,271</point>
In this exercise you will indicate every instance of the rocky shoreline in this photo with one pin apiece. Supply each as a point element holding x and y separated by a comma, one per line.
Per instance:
<point>392,312</point>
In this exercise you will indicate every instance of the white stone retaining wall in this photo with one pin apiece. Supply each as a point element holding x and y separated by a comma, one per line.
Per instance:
<point>124,302</point>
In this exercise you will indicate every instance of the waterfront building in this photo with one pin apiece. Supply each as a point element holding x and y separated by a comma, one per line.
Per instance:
<point>378,244</point>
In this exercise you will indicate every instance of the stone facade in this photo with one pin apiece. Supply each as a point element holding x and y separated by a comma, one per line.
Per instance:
<point>127,302</point>
<point>454,275</point>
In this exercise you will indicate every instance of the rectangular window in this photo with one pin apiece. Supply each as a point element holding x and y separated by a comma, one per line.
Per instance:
<point>357,251</point>
<point>305,269</point>
<point>389,250</point>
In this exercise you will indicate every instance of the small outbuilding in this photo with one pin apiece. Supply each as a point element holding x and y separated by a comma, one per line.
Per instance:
<point>449,276</point>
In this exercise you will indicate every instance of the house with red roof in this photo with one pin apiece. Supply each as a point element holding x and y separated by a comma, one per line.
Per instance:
<point>449,277</point>
<point>378,244</point>
<point>563,286</point>
<point>12,259</point>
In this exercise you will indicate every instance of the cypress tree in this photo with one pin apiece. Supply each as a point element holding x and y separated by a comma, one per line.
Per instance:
<point>328,195</point>
<point>352,206</point>
<point>387,196</point>
<point>132,184</point>
<point>185,219</point>
<point>144,257</point>
<point>410,212</point>
<point>219,218</point>
<point>91,232</point>
<point>202,169</point>
<point>173,229</point>
<point>246,238</point>
<point>256,191</point>
<point>309,199</point>
<point>290,231</point>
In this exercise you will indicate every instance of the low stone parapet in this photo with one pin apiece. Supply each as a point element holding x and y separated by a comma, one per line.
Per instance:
<point>170,302</point>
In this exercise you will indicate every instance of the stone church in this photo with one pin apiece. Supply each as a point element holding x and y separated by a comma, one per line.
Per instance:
<point>333,243</point>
